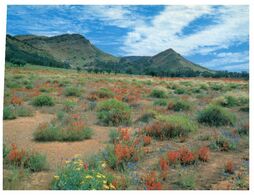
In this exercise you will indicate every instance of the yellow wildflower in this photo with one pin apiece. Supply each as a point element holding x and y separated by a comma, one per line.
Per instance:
<point>106,187</point>
<point>98,176</point>
<point>104,181</point>
<point>56,177</point>
<point>103,165</point>
<point>112,186</point>
<point>67,162</point>
<point>89,177</point>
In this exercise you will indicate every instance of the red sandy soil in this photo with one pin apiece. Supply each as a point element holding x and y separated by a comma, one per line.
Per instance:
<point>20,131</point>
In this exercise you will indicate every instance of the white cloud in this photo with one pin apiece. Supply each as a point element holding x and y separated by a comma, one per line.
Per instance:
<point>229,61</point>
<point>166,31</point>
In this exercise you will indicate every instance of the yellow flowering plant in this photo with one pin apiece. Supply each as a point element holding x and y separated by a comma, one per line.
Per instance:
<point>76,175</point>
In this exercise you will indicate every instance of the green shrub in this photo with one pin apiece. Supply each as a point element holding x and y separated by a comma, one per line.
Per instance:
<point>46,132</point>
<point>113,112</point>
<point>216,116</point>
<point>70,134</point>
<point>160,102</point>
<point>52,132</point>
<point>114,136</point>
<point>180,91</point>
<point>104,93</point>
<point>186,182</point>
<point>36,162</point>
<point>69,106</point>
<point>9,113</point>
<point>43,100</point>
<point>72,91</point>
<point>216,87</point>
<point>158,93</point>
<point>73,176</point>
<point>179,105</point>
<point>145,118</point>
<point>110,157</point>
<point>223,143</point>
<point>24,111</point>
<point>6,150</point>
<point>166,127</point>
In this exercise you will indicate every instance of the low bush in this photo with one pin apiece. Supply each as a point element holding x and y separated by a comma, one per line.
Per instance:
<point>158,93</point>
<point>166,127</point>
<point>104,93</point>
<point>24,111</point>
<point>72,91</point>
<point>36,162</point>
<point>224,142</point>
<point>216,116</point>
<point>29,160</point>
<point>9,112</point>
<point>113,112</point>
<point>69,106</point>
<point>145,118</point>
<point>186,182</point>
<point>75,130</point>
<point>77,175</point>
<point>43,100</point>
<point>180,91</point>
<point>179,105</point>
<point>160,102</point>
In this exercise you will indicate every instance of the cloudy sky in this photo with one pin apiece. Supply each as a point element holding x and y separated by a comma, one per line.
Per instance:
<point>213,36</point>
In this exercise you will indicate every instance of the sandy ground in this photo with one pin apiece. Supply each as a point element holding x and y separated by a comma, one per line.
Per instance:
<point>20,131</point>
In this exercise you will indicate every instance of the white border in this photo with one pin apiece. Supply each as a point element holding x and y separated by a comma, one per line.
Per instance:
<point>3,9</point>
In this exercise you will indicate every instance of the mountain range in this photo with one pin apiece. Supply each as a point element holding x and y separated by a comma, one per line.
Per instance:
<point>75,51</point>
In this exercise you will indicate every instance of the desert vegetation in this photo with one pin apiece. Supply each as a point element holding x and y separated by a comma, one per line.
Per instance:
<point>77,130</point>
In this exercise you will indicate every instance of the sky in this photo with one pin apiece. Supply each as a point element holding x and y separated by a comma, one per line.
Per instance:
<point>216,37</point>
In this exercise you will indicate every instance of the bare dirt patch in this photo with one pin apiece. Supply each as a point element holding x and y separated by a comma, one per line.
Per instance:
<point>20,131</point>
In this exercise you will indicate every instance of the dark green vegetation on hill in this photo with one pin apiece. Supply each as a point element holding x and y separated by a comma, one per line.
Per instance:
<point>75,51</point>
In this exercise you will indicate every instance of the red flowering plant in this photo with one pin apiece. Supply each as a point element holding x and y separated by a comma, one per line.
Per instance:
<point>164,168</point>
<point>203,153</point>
<point>152,182</point>
<point>173,157</point>
<point>229,167</point>
<point>17,156</point>
<point>186,156</point>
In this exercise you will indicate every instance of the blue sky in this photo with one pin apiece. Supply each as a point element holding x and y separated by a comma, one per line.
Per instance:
<point>216,37</point>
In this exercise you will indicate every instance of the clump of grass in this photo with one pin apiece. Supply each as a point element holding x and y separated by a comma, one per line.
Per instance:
<point>43,100</point>
<point>52,132</point>
<point>179,105</point>
<point>24,111</point>
<point>37,162</point>
<point>160,102</point>
<point>9,112</point>
<point>146,117</point>
<point>113,112</point>
<point>215,115</point>
<point>69,106</point>
<point>224,141</point>
<point>158,93</point>
<point>166,127</point>
<point>232,100</point>
<point>180,91</point>
<point>114,136</point>
<point>186,182</point>
<point>104,93</point>
<point>72,91</point>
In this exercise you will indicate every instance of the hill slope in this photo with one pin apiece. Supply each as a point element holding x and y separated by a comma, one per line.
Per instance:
<point>77,51</point>
<point>73,49</point>
<point>18,51</point>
